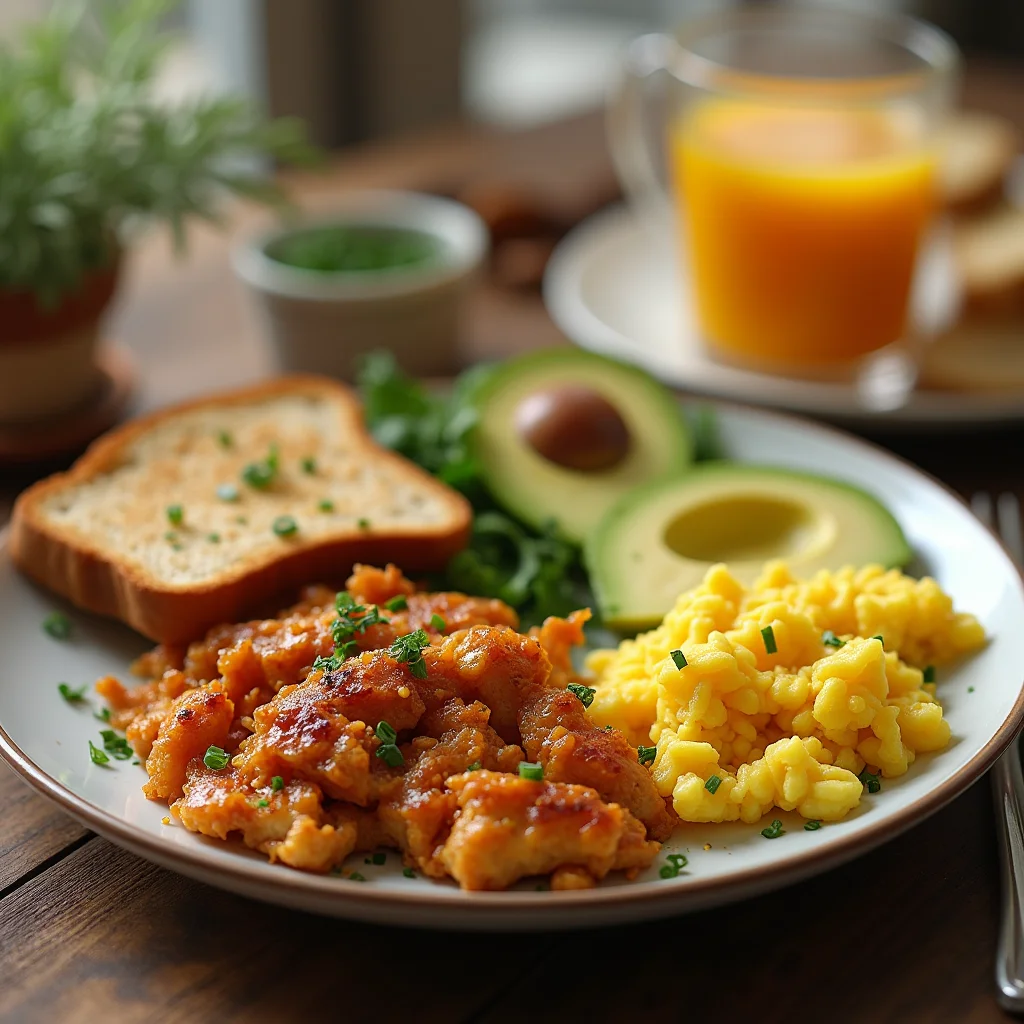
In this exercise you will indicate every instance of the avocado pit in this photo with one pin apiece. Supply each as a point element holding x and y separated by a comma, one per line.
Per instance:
<point>574,427</point>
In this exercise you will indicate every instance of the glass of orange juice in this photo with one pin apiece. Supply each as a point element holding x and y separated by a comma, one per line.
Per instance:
<point>800,163</point>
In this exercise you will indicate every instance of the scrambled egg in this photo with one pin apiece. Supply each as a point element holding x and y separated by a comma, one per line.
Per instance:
<point>740,728</point>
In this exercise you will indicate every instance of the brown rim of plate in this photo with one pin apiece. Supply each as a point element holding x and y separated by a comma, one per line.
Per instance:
<point>812,861</point>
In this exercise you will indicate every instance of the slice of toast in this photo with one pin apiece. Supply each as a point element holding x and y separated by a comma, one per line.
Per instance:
<point>161,524</point>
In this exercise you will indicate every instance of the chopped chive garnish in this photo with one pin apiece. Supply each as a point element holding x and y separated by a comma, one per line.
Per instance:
<point>398,603</point>
<point>584,693</point>
<point>774,830</point>
<point>215,758</point>
<point>356,877</point>
<point>678,658</point>
<point>646,755</point>
<point>264,802</point>
<point>213,538</point>
<point>713,783</point>
<point>72,696</point>
<point>224,438</point>
<point>873,783</point>
<point>228,492</point>
<point>390,755</point>
<point>380,858</point>
<point>175,515</point>
<point>57,625</point>
<point>103,715</point>
<point>970,689</point>
<point>437,623</point>
<point>325,505</point>
<point>363,524</point>
<point>929,674</point>
<point>308,465</point>
<point>879,638</point>
<point>532,770</point>
<point>261,474</point>
<point>115,745</point>
<point>96,755</point>
<point>676,863</point>
<point>829,639</point>
<point>409,649</point>
<point>768,636</point>
<point>277,783</point>
<point>474,767</point>
<point>408,872</point>
<point>284,526</point>
<point>812,826</point>
<point>388,750</point>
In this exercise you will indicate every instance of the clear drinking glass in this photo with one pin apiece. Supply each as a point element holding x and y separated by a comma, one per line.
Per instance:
<point>796,149</point>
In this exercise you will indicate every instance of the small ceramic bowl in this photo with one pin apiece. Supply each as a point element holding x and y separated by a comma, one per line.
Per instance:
<point>325,321</point>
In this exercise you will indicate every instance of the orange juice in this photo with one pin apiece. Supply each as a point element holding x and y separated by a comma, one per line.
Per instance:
<point>802,227</point>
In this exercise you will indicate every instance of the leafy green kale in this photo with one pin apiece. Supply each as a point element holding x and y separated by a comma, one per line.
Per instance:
<point>539,574</point>
<point>536,572</point>
<point>431,430</point>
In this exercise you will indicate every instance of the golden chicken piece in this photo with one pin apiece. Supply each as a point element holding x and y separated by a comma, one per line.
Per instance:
<point>287,824</point>
<point>493,665</point>
<point>508,828</point>
<point>198,720</point>
<point>141,710</point>
<point>322,730</point>
<point>287,645</point>
<point>558,637</point>
<point>417,813</point>
<point>558,732</point>
<point>253,660</point>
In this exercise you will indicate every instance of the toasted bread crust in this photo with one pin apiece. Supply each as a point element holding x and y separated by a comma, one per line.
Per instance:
<point>98,583</point>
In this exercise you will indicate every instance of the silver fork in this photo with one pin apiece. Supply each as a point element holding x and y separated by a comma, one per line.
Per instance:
<point>1008,790</point>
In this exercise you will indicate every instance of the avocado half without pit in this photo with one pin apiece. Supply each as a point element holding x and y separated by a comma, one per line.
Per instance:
<point>563,434</point>
<point>660,540</point>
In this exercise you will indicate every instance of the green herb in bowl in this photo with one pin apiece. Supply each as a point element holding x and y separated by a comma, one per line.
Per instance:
<point>355,249</point>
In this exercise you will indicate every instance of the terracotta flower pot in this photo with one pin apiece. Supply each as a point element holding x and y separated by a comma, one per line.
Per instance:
<point>48,356</point>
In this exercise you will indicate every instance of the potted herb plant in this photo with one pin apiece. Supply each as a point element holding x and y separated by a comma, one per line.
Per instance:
<point>86,152</point>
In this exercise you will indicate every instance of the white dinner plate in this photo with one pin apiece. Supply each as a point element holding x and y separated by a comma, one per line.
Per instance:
<point>614,286</point>
<point>46,740</point>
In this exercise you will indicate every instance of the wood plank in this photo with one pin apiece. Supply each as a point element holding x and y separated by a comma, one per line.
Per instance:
<point>34,830</point>
<point>103,935</point>
<point>907,932</point>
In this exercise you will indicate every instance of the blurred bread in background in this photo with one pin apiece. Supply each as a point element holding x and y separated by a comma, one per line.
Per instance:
<point>976,153</point>
<point>989,251</point>
<point>984,350</point>
<point>979,354</point>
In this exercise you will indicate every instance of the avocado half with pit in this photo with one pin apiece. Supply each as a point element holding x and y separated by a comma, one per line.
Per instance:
<point>660,540</point>
<point>563,434</point>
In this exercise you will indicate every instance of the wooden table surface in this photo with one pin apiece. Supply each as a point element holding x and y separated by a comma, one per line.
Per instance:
<point>89,932</point>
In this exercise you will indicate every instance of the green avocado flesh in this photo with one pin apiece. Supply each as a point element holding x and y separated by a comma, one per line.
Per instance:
<point>659,541</point>
<point>539,491</point>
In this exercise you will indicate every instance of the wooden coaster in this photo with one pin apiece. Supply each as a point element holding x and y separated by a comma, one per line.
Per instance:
<point>59,438</point>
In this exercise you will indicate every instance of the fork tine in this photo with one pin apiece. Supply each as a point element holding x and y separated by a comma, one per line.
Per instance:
<point>981,506</point>
<point>1008,517</point>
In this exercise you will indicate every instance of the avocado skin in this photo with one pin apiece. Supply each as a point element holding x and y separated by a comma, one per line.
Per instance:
<point>891,550</point>
<point>532,492</point>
